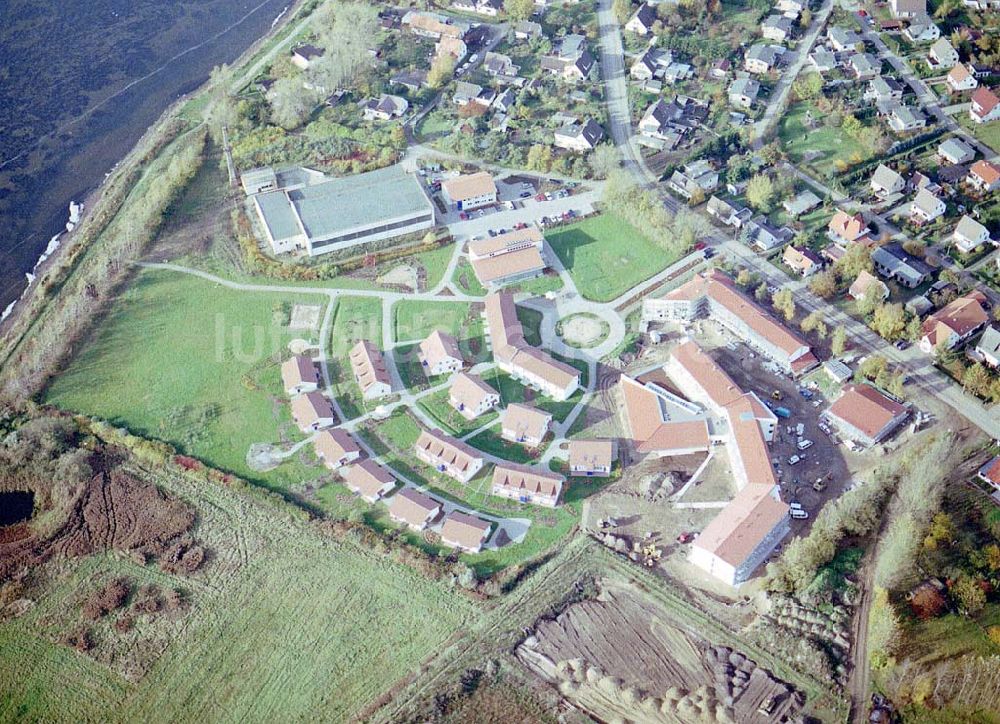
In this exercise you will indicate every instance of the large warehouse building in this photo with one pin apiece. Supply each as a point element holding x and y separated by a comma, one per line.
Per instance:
<point>306,210</point>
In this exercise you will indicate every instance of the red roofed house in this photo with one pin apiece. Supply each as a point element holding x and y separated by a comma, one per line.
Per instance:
<point>506,258</point>
<point>298,374</point>
<point>715,294</point>
<point>413,508</point>
<point>527,485</point>
<point>465,532</point>
<point>960,78</point>
<point>336,448</point>
<point>865,415</point>
<point>312,412</point>
<point>848,228</point>
<point>984,175</point>
<point>448,455</point>
<point>591,457</point>
<point>990,473</point>
<point>368,479</point>
<point>439,354</point>
<point>955,323</point>
<point>860,286</point>
<point>985,105</point>
<point>660,423</point>
<point>742,536</point>
<point>804,261</point>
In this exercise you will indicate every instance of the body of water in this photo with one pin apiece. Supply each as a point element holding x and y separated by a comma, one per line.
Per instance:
<point>80,82</point>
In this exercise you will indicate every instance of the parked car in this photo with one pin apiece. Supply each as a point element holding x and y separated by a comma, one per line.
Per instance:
<point>795,505</point>
<point>709,253</point>
<point>539,197</point>
<point>902,344</point>
<point>820,485</point>
<point>794,460</point>
<point>804,444</point>
<point>525,194</point>
<point>686,537</point>
<point>799,514</point>
<point>463,216</point>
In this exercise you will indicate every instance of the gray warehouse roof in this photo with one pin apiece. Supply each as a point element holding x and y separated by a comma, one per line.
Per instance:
<point>278,215</point>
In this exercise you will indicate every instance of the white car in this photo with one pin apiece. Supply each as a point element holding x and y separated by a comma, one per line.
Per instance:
<point>794,460</point>
<point>804,444</point>
<point>795,506</point>
<point>473,59</point>
<point>799,514</point>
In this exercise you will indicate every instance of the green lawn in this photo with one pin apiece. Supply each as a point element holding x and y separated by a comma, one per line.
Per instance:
<point>539,286</point>
<point>355,318</point>
<point>513,391</point>
<point>192,363</point>
<point>438,407</point>
<point>415,319</point>
<point>489,441</point>
<point>832,144</point>
<point>465,279</point>
<point>606,256</point>
<point>988,133</point>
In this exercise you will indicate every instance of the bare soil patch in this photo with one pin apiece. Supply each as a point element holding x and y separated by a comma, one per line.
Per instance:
<point>621,657</point>
<point>402,275</point>
<point>305,316</point>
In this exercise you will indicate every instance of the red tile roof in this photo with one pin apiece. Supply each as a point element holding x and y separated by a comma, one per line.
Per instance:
<point>865,408</point>
<point>735,532</point>
<point>960,316</point>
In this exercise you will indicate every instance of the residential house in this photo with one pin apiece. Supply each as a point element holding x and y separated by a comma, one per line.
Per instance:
<point>743,92</point>
<point>984,176</point>
<point>696,177</point>
<point>311,412</point>
<point>505,101</point>
<point>498,64</point>
<point>464,532</point>
<point>489,8</point>
<point>803,202</point>
<point>922,30</point>
<point>926,207</point>
<point>728,213</point>
<point>524,425</point>
<point>651,64</point>
<point>804,261</point>
<point>471,396</point>
<point>714,293</point>
<point>865,415</point>
<point>956,151</point>
<point>990,473</point>
<point>527,30</point>
<point>864,66</point>
<point>470,191</point>
<point>304,55</point>
<point>579,137</point>
<point>298,375</point>
<point>791,7</point>
<point>591,458</point>
<point>892,262</point>
<point>970,234</point>
<point>336,448</point>
<point>509,257</point>
<point>447,455</point>
<point>777,28</point>
<point>942,55</point>
<point>886,182</point>
<point>848,228</point>
<point>456,48</point>
<point>842,39</point>
<point>434,25</point>
<point>908,8</point>
<point>466,93</point>
<point>988,347</point>
<point>368,479</point>
<point>526,484</point>
<point>955,323</point>
<point>903,118</point>
<point>721,69</point>
<point>985,105</point>
<point>865,281</point>
<point>960,78</point>
<point>384,108</point>
<point>413,508</point>
<point>822,60</point>
<point>370,371</point>
<point>572,61</point>
<point>762,234</point>
<point>642,21</point>
<point>884,89</point>
<point>439,354</point>
<point>762,58</point>
<point>412,80</point>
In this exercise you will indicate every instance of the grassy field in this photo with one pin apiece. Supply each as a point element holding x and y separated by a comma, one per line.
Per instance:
<point>831,144</point>
<point>187,361</point>
<point>273,590</point>
<point>988,133</point>
<point>355,318</point>
<point>513,391</point>
<point>606,256</point>
<point>415,319</point>
<point>465,279</point>
<point>489,441</point>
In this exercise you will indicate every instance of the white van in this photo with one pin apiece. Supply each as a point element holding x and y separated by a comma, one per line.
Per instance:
<point>799,514</point>
<point>804,444</point>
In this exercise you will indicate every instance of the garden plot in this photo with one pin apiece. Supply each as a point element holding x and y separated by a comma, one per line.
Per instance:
<point>620,654</point>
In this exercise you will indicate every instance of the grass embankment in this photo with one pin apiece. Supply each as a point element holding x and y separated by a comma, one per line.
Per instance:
<point>606,256</point>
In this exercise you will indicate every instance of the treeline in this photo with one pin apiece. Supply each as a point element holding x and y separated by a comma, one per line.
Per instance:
<point>102,267</point>
<point>644,209</point>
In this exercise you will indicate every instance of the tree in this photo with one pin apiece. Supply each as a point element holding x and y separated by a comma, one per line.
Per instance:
<point>744,278</point>
<point>760,192</point>
<point>976,380</point>
<point>442,69</point>
<point>291,104</point>
<point>885,632</point>
<point>824,284</point>
<point>838,343</point>
<point>806,18</point>
<point>808,86</point>
<point>812,321</point>
<point>761,294</point>
<point>873,367</point>
<point>941,530</point>
<point>784,302</point>
<point>928,602</point>
<point>857,259</point>
<point>622,10</point>
<point>519,9</point>
<point>604,160</point>
<point>870,300</point>
<point>889,321</point>
<point>539,157</point>
<point>969,594</point>
<point>914,329</point>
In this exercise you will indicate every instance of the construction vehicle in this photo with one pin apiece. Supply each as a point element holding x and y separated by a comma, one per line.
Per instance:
<point>777,395</point>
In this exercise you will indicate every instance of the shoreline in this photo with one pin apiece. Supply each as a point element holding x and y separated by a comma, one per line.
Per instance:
<point>93,198</point>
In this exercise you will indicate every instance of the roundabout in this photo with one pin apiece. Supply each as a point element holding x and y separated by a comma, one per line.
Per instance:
<point>583,330</point>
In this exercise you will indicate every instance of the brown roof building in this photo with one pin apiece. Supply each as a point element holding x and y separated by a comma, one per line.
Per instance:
<point>591,457</point>
<point>527,485</point>
<point>524,424</point>
<point>509,257</point>
<point>472,397</point>
<point>448,455</point>
<point>312,412</point>
<point>336,448</point>
<point>661,423</point>
<point>368,479</point>
<point>439,354</point>
<point>298,374</point>
<point>370,371</point>
<point>470,191</point>
<point>865,415</point>
<point>848,228</point>
<point>955,323</point>
<point>465,532</point>
<point>413,508</point>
